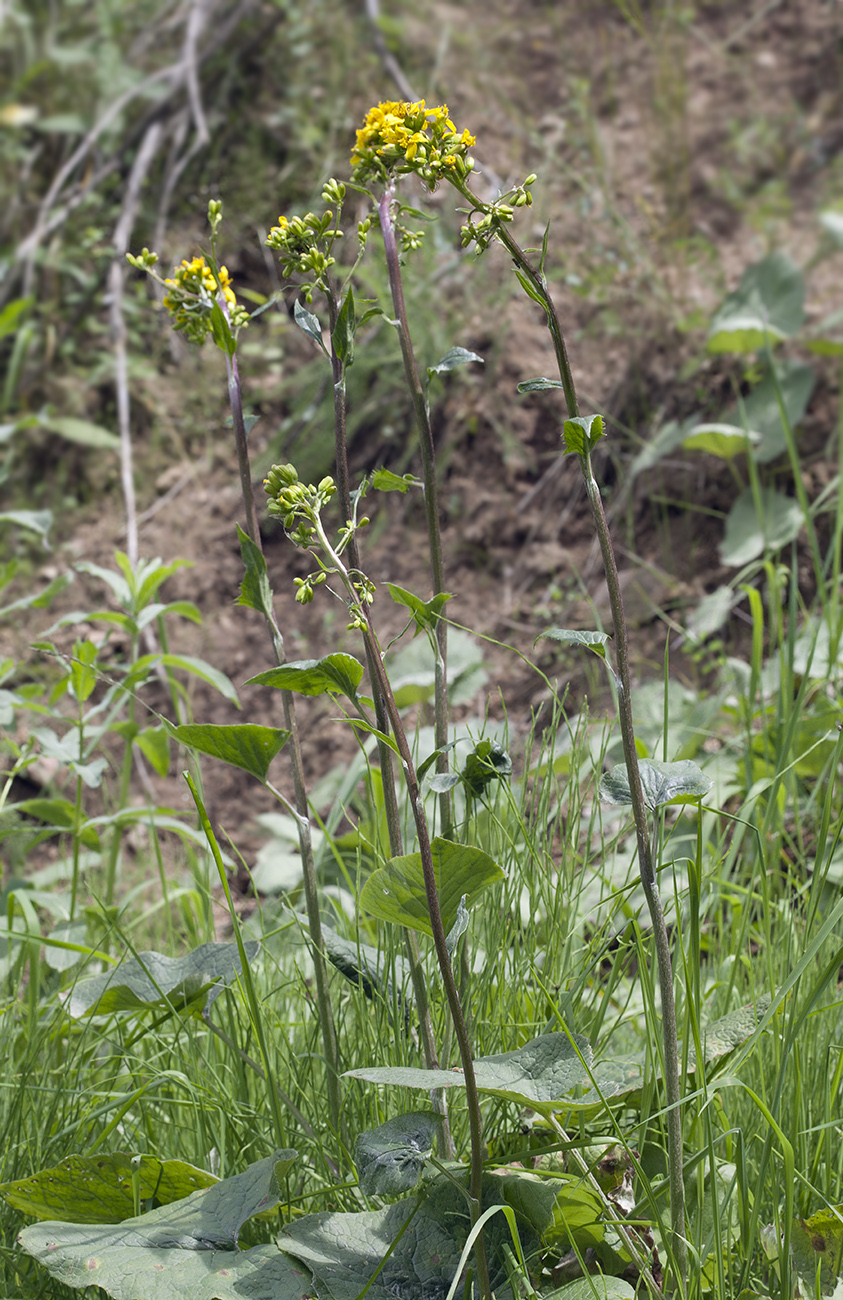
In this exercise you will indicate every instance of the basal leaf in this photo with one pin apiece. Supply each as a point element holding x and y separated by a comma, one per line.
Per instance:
<point>390,1159</point>
<point>817,1244</point>
<point>601,1286</point>
<point>153,980</point>
<point>723,440</point>
<point>396,891</point>
<point>98,1189</point>
<point>245,745</point>
<point>663,783</point>
<point>766,307</point>
<point>747,536</point>
<point>338,673</point>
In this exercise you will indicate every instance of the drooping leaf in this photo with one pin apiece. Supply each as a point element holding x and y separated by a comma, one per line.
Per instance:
<point>766,307</point>
<point>99,1189</point>
<point>364,965</point>
<point>255,591</point>
<point>390,1159</point>
<point>396,891</point>
<point>152,980</point>
<point>337,673</point>
<point>663,783</point>
<point>37,521</point>
<point>425,612</point>
<point>747,536</point>
<point>538,1075</point>
<point>582,433</point>
<point>452,359</point>
<point>308,323</point>
<point>69,932</point>
<point>794,383</point>
<point>82,432</point>
<point>245,745</point>
<point>383,480</point>
<point>458,929</point>
<point>595,641</point>
<point>182,1251</point>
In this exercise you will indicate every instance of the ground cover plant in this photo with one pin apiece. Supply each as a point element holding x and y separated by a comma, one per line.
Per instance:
<point>516,965</point>
<point>606,1133</point>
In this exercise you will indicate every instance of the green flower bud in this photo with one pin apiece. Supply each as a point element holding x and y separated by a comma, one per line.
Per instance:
<point>531,179</point>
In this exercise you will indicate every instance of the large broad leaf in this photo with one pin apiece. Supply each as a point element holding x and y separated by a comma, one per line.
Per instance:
<point>185,1251</point>
<point>245,745</point>
<point>794,383</point>
<point>817,1244</point>
<point>396,892</point>
<point>681,782</point>
<point>538,1075</point>
<point>364,965</point>
<point>765,308</point>
<point>390,1159</point>
<point>598,1287</point>
<point>338,673</point>
<point>720,439</point>
<point>344,1250</point>
<point>748,535</point>
<point>99,1189</point>
<point>153,980</point>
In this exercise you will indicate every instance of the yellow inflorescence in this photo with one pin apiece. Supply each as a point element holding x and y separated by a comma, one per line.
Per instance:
<point>401,136</point>
<point>192,292</point>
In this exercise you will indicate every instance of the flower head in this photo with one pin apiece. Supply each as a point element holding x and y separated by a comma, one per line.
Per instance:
<point>192,291</point>
<point>399,137</point>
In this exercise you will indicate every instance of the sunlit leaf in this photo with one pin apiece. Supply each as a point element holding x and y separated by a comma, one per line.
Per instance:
<point>337,673</point>
<point>246,745</point>
<point>396,891</point>
<point>662,783</point>
<point>153,980</point>
<point>98,1189</point>
<point>765,308</point>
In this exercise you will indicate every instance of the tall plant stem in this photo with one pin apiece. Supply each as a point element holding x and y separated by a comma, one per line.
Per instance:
<point>393,817</point>
<point>431,492</point>
<point>639,808</point>
<point>330,1046</point>
<point>432,895</point>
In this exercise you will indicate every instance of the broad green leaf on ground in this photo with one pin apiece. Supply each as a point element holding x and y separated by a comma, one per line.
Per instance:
<point>80,431</point>
<point>538,1075</point>
<point>255,591</point>
<point>71,932</point>
<point>663,783</point>
<point>711,613</point>
<point>452,359</point>
<point>720,439</point>
<point>761,410</point>
<point>343,1250</point>
<point>533,1198</point>
<point>595,641</point>
<point>817,1244</point>
<point>245,745</point>
<point>747,536</point>
<point>766,307</point>
<point>390,1159</point>
<point>425,612</point>
<point>412,670</point>
<point>598,1287</point>
<point>364,965</point>
<point>153,980</point>
<point>396,892</point>
<point>99,1189</point>
<point>337,673</point>
<point>183,1251</point>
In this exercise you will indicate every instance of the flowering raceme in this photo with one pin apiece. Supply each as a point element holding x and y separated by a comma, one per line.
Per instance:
<point>192,292</point>
<point>399,137</point>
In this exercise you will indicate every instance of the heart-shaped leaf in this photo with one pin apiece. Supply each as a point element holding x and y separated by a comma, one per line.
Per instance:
<point>153,980</point>
<point>245,745</point>
<point>663,783</point>
<point>765,308</point>
<point>390,1158</point>
<point>396,891</point>
<point>339,674</point>
<point>747,535</point>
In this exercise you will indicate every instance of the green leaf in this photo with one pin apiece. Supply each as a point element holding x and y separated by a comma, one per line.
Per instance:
<point>344,1250</point>
<point>723,440</point>
<point>153,980</point>
<point>600,1286</point>
<point>196,667</point>
<point>246,745</point>
<point>390,1159</point>
<point>40,599</point>
<point>367,967</point>
<point>425,613</point>
<point>711,613</point>
<point>154,744</point>
<point>383,480</point>
<point>60,815</point>
<point>817,1244</point>
<point>57,958</point>
<point>670,436</point>
<point>767,307</point>
<point>10,316</point>
<point>530,289</point>
<point>761,411</point>
<point>487,762</point>
<point>309,324</point>
<point>338,673</point>
<point>583,433</point>
<point>595,641</point>
<point>452,359</point>
<point>343,335</point>
<point>221,331</point>
<point>182,1251</point>
<point>37,521</point>
<point>82,432</point>
<point>538,385</point>
<point>360,724</point>
<point>746,536</point>
<point>255,591</point>
<point>663,783</point>
<point>459,928</point>
<point>396,892</point>
<point>98,1189</point>
<point>537,1075</point>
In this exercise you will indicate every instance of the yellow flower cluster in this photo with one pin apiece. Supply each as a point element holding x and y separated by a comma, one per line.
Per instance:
<point>192,293</point>
<point>400,137</point>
